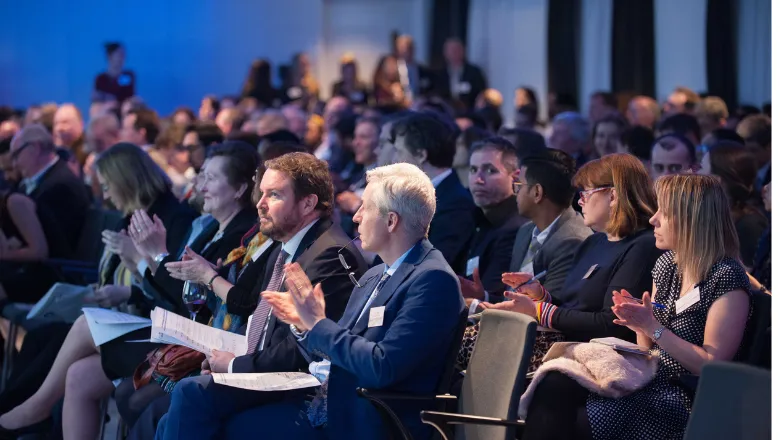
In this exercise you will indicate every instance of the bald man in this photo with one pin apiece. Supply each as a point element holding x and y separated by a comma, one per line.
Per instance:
<point>69,131</point>
<point>643,111</point>
<point>60,197</point>
<point>102,133</point>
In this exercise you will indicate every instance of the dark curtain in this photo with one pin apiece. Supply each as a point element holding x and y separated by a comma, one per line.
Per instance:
<point>563,37</point>
<point>633,47</point>
<point>449,18</point>
<point>721,50</point>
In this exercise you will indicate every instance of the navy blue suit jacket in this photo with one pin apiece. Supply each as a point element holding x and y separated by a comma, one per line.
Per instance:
<point>453,222</point>
<point>406,353</point>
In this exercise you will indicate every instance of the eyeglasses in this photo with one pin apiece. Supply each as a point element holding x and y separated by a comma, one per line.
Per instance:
<point>585,195</point>
<point>15,154</point>
<point>346,266</point>
<point>516,186</point>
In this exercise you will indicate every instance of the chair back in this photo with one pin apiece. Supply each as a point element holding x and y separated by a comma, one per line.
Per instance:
<point>733,401</point>
<point>495,378</point>
<point>757,341</point>
<point>90,247</point>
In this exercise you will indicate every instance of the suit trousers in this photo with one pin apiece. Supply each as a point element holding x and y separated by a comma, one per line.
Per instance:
<point>202,409</point>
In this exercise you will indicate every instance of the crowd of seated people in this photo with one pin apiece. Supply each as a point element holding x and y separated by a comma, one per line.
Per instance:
<point>349,237</point>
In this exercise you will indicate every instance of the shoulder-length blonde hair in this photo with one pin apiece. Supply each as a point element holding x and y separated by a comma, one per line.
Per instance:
<point>636,202</point>
<point>135,178</point>
<point>699,213</point>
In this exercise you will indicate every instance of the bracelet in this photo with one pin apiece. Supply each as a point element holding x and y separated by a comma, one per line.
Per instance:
<point>211,282</point>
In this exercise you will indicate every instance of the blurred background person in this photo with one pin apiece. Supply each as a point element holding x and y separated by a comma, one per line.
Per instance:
<point>258,85</point>
<point>350,86</point>
<point>116,83</point>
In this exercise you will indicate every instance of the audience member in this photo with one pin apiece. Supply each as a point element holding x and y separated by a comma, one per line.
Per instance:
<point>681,100</point>
<point>387,83</point>
<point>416,79</point>
<point>365,146</point>
<point>460,162</point>
<point>607,132</point>
<point>525,96</point>
<point>69,131</point>
<point>9,175</point>
<point>526,142</point>
<point>350,86</point>
<point>229,120</point>
<point>301,87</point>
<point>209,107</point>
<point>426,142</point>
<point>329,150</point>
<point>672,154</point>
<point>140,127</point>
<point>296,200</point>
<point>715,136</point>
<point>296,120</point>
<point>683,124</point>
<point>570,135</point>
<point>493,171</point>
<point>271,121</point>
<point>757,133</point>
<point>459,80</point>
<point>527,117</point>
<point>198,137</point>
<point>694,225</point>
<point>644,111</point>
<point>740,113</point>
<point>712,114</point>
<point>761,276</point>
<point>489,98</point>
<point>603,104</point>
<point>315,132</point>
<point>116,83</point>
<point>637,141</point>
<point>258,85</point>
<point>735,166</point>
<point>183,116</point>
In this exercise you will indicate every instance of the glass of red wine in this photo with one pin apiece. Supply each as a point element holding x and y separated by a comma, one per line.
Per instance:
<point>194,296</point>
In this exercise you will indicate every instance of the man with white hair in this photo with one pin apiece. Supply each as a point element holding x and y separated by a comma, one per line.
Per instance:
<point>571,134</point>
<point>398,325</point>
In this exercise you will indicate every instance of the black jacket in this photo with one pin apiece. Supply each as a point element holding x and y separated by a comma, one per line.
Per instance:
<point>470,85</point>
<point>318,256</point>
<point>453,223</point>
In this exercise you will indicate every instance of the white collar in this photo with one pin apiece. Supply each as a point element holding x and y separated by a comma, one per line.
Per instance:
<point>438,179</point>
<point>291,247</point>
<point>542,236</point>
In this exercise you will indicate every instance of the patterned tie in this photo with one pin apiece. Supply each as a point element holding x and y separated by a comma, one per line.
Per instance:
<point>529,256</point>
<point>260,316</point>
<point>318,408</point>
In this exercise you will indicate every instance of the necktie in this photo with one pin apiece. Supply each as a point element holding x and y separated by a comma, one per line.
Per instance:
<point>260,316</point>
<point>318,408</point>
<point>533,247</point>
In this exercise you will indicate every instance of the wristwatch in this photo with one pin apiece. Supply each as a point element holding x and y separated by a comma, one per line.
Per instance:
<point>657,333</point>
<point>160,257</point>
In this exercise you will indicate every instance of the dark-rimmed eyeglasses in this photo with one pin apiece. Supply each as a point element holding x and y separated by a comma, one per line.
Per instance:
<point>346,266</point>
<point>517,186</point>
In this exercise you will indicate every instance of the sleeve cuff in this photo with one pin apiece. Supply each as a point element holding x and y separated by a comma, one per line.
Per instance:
<point>230,366</point>
<point>300,336</point>
<point>473,306</point>
<point>544,314</point>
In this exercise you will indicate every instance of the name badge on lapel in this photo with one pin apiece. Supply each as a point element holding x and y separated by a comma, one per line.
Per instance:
<point>590,271</point>
<point>376,316</point>
<point>687,301</point>
<point>472,264</point>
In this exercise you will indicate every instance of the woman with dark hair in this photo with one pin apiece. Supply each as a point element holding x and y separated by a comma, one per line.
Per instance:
<point>116,83</point>
<point>258,84</point>
<point>209,107</point>
<point>388,90</point>
<point>525,96</point>
<point>606,134</point>
<point>350,85</point>
<point>736,167</point>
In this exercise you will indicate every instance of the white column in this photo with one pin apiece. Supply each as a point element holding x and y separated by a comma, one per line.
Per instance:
<point>754,52</point>
<point>595,49</point>
<point>680,45</point>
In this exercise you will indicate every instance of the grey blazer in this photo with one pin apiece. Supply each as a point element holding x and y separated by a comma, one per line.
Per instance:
<point>556,255</point>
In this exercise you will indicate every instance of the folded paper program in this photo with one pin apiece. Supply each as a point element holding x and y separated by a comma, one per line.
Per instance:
<point>170,328</point>
<point>267,381</point>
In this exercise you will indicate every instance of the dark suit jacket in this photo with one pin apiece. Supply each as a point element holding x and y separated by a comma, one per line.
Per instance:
<point>471,79</point>
<point>556,255</point>
<point>453,223</point>
<point>318,256</point>
<point>358,97</point>
<point>493,242</point>
<point>61,202</point>
<point>406,353</point>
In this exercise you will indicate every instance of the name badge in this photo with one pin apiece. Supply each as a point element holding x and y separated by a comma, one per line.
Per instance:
<point>688,300</point>
<point>464,87</point>
<point>376,316</point>
<point>262,249</point>
<point>472,264</point>
<point>590,271</point>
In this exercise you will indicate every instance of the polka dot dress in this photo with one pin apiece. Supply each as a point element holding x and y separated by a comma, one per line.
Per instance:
<point>660,410</point>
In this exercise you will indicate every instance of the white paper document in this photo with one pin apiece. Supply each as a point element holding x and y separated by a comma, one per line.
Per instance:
<point>63,302</point>
<point>267,381</point>
<point>170,328</point>
<point>107,325</point>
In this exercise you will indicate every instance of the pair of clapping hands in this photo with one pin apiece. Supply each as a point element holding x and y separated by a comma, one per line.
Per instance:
<point>521,299</point>
<point>144,238</point>
<point>302,306</point>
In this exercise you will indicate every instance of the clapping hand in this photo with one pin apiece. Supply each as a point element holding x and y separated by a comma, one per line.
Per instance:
<point>284,307</point>
<point>121,244</point>
<point>518,303</point>
<point>638,316</point>
<point>309,302</point>
<point>149,236</point>
<point>517,281</point>
<point>193,267</point>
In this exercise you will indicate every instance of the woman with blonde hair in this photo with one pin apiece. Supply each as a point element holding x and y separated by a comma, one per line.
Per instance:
<point>696,313</point>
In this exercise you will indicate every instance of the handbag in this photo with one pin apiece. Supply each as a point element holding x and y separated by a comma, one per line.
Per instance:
<point>172,361</point>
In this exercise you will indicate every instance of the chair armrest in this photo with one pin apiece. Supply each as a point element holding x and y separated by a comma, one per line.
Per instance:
<point>441,421</point>
<point>389,395</point>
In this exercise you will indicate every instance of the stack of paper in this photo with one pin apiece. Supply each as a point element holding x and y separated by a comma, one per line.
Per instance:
<point>63,302</point>
<point>107,325</point>
<point>267,381</point>
<point>170,328</point>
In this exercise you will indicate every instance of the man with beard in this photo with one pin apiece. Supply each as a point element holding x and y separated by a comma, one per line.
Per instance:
<point>295,207</point>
